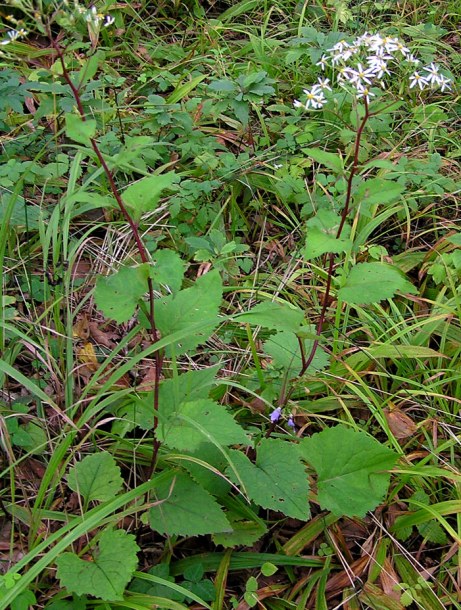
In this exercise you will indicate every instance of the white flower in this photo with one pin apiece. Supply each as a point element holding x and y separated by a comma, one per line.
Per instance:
<point>412,59</point>
<point>364,92</point>
<point>314,99</point>
<point>323,83</point>
<point>323,62</point>
<point>108,20</point>
<point>378,65</point>
<point>433,74</point>
<point>362,75</point>
<point>444,83</point>
<point>417,80</point>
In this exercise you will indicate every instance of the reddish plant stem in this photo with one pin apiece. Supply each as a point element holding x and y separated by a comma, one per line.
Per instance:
<point>331,257</point>
<point>136,236</point>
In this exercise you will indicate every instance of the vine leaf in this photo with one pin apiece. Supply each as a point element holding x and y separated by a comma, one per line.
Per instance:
<point>277,480</point>
<point>184,508</point>
<point>96,477</point>
<point>79,130</point>
<point>143,196</point>
<point>117,295</point>
<point>194,308</point>
<point>108,574</point>
<point>275,316</point>
<point>200,421</point>
<point>351,468</point>
<point>284,349</point>
<point>373,282</point>
<point>321,235</point>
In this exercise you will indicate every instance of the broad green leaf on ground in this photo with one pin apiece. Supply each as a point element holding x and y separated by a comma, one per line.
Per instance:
<point>331,160</point>
<point>184,508</point>
<point>117,295</point>
<point>194,308</point>
<point>277,480</point>
<point>245,532</point>
<point>321,235</point>
<point>189,386</point>
<point>377,191</point>
<point>22,216</point>
<point>284,349</point>
<point>205,467</point>
<point>142,196</point>
<point>351,469</point>
<point>275,316</point>
<point>138,411</point>
<point>168,270</point>
<point>108,574</point>
<point>374,282</point>
<point>96,477</point>
<point>79,130</point>
<point>197,422</point>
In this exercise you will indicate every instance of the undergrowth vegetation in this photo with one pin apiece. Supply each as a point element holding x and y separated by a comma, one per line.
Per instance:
<point>230,324</point>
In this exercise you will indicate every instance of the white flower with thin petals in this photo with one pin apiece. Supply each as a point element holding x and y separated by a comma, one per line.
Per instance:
<point>433,74</point>
<point>444,83</point>
<point>412,59</point>
<point>324,83</point>
<point>108,20</point>
<point>416,80</point>
<point>364,92</point>
<point>378,65</point>
<point>362,75</point>
<point>323,62</point>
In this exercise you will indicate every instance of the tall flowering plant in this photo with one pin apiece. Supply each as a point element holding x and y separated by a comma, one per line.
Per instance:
<point>363,67</point>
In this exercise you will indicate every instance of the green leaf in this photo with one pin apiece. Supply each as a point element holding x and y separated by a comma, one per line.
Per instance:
<point>184,508</point>
<point>143,195</point>
<point>275,316</point>
<point>268,569</point>
<point>321,235</point>
<point>244,533</point>
<point>169,269</point>
<point>373,282</point>
<point>24,601</point>
<point>277,480</point>
<point>196,308</point>
<point>79,130</point>
<point>351,469</point>
<point>223,86</point>
<point>377,191</point>
<point>284,349</point>
<point>331,160</point>
<point>117,295</point>
<point>96,477</point>
<point>201,421</point>
<point>108,574</point>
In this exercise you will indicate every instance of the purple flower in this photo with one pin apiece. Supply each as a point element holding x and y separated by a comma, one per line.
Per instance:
<point>291,423</point>
<point>275,415</point>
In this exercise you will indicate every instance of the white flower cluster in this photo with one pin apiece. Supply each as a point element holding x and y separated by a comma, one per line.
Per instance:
<point>364,63</point>
<point>92,17</point>
<point>13,35</point>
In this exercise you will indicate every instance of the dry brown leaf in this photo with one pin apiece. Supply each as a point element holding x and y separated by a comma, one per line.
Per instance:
<point>101,337</point>
<point>87,356</point>
<point>400,424</point>
<point>342,579</point>
<point>81,329</point>
<point>389,579</point>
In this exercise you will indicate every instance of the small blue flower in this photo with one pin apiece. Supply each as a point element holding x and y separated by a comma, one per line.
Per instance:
<point>275,415</point>
<point>291,423</point>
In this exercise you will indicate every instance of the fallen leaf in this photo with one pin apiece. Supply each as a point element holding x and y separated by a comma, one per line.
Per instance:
<point>81,329</point>
<point>87,356</point>
<point>400,424</point>
<point>101,337</point>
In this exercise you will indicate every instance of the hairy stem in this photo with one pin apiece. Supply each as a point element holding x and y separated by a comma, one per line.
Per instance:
<point>136,236</point>
<point>331,257</point>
